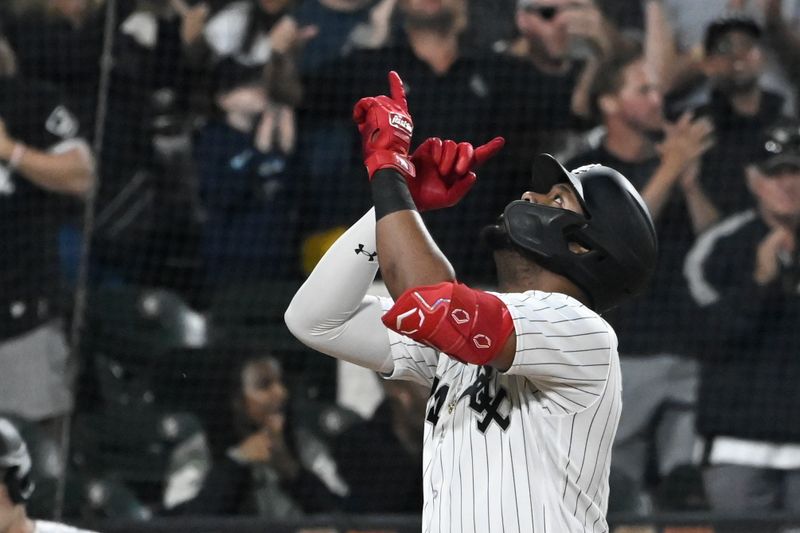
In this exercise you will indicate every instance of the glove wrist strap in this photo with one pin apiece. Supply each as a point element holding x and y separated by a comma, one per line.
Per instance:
<point>390,193</point>
<point>388,159</point>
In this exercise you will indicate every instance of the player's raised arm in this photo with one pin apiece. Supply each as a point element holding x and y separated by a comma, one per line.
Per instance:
<point>437,175</point>
<point>415,271</point>
<point>331,311</point>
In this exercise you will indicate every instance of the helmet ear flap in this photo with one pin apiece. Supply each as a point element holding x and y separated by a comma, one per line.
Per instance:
<point>18,485</point>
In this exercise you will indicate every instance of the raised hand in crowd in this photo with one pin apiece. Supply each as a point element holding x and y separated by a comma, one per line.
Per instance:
<point>268,446</point>
<point>375,33</point>
<point>685,141</point>
<point>6,142</point>
<point>193,19</point>
<point>287,36</point>
<point>702,212</point>
<point>586,24</point>
<point>780,242</point>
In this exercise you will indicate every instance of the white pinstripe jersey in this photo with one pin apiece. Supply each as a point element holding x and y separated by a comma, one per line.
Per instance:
<point>527,450</point>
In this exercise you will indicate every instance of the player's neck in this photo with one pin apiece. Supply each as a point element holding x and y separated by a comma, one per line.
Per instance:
<point>516,273</point>
<point>21,523</point>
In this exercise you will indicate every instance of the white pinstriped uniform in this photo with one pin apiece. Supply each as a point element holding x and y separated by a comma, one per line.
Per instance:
<point>44,526</point>
<point>527,450</point>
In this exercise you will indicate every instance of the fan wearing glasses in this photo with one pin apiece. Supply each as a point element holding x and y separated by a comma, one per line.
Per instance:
<point>558,36</point>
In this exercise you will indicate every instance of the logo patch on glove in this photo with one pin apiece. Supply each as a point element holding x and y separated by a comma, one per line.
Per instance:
<point>401,122</point>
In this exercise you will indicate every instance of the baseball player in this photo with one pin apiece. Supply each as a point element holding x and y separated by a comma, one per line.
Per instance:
<point>525,383</point>
<point>16,487</point>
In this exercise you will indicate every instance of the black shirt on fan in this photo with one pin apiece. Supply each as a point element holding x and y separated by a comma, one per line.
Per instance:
<point>29,274</point>
<point>654,322</point>
<point>480,96</point>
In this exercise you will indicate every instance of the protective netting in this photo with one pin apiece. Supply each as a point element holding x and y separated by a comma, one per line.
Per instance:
<point>172,170</point>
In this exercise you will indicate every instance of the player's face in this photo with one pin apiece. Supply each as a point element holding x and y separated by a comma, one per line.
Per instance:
<point>544,24</point>
<point>263,390</point>
<point>778,193</point>
<point>735,63</point>
<point>561,195</point>
<point>639,103</point>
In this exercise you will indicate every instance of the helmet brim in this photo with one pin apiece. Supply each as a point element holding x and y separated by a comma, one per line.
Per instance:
<point>547,171</point>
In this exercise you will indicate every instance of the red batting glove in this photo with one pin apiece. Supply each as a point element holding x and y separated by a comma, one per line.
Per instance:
<point>446,171</point>
<point>386,128</point>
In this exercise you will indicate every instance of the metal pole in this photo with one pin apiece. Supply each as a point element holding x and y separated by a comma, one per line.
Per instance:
<point>79,304</point>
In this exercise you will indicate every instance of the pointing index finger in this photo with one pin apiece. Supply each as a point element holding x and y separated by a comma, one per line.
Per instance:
<point>397,91</point>
<point>486,151</point>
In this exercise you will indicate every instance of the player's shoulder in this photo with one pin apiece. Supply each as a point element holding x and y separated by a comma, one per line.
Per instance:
<point>45,526</point>
<point>554,307</point>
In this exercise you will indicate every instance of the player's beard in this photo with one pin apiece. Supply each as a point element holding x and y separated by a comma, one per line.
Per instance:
<point>515,267</point>
<point>495,236</point>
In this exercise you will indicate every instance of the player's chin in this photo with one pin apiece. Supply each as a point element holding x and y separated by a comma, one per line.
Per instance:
<point>495,236</point>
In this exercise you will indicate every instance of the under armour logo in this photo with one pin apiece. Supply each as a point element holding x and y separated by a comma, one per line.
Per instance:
<point>370,255</point>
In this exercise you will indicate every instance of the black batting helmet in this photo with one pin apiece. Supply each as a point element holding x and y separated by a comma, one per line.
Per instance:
<point>15,463</point>
<point>616,228</point>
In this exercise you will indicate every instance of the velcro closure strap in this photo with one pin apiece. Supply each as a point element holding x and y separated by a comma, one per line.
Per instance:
<point>388,159</point>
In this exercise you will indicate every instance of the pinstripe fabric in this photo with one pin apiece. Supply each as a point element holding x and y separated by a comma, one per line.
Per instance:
<point>528,449</point>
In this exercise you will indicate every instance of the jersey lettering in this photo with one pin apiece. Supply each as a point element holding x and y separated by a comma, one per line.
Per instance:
<point>481,400</point>
<point>439,396</point>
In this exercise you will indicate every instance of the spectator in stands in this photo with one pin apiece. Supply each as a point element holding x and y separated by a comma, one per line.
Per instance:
<point>338,27</point>
<point>239,31</point>
<point>260,467</point>
<point>147,199</point>
<point>745,274</point>
<point>243,157</point>
<point>558,36</point>
<point>782,34</point>
<point>675,33</point>
<point>60,42</point>
<point>43,161</point>
<point>483,89</point>
<point>659,380</point>
<point>388,479</point>
<point>739,107</point>
<point>490,21</point>
<point>16,487</point>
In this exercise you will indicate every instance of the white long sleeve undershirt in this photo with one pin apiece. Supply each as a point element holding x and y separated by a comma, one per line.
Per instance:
<point>332,312</point>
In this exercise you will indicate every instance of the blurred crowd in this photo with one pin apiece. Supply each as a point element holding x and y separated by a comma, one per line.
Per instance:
<point>171,169</point>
